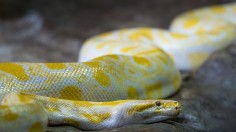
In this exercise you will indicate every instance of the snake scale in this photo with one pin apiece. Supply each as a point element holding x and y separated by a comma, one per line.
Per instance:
<point>120,77</point>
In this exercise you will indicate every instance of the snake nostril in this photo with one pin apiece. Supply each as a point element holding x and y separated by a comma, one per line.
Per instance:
<point>158,103</point>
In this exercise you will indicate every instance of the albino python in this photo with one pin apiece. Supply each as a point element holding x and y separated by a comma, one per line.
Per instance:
<point>124,71</point>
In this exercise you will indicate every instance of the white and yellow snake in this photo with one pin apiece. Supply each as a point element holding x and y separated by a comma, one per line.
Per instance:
<point>141,64</point>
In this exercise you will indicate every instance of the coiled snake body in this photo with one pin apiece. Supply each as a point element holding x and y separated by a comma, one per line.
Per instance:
<point>139,64</point>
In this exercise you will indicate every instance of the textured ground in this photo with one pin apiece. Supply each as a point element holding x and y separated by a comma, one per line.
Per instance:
<point>208,98</point>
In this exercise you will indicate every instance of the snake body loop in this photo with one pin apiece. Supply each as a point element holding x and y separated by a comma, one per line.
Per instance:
<point>120,78</point>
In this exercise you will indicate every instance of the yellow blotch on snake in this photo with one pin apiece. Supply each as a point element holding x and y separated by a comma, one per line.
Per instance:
<point>142,33</point>
<point>36,127</point>
<point>139,108</point>
<point>131,71</point>
<point>56,66</point>
<point>142,61</point>
<point>162,37</point>
<point>116,57</point>
<point>102,78</point>
<point>178,36</point>
<point>24,99</point>
<point>163,59</point>
<point>154,91</point>
<point>101,45</point>
<point>152,51</point>
<point>15,70</point>
<point>91,104</point>
<point>133,93</point>
<point>99,75</point>
<point>53,100</point>
<point>218,9</point>
<point>191,23</point>
<point>127,49</point>
<point>52,109</point>
<point>9,115</point>
<point>71,121</point>
<point>113,103</point>
<point>97,118</point>
<point>71,93</point>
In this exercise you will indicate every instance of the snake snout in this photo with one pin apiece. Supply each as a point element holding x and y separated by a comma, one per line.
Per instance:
<point>170,108</point>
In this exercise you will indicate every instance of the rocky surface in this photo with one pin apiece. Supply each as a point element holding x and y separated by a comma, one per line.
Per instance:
<point>208,98</point>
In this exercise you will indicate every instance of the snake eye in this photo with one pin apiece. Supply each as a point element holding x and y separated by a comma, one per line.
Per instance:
<point>158,103</point>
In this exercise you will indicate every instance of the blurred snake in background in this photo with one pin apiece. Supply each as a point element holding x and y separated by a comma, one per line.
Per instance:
<point>120,77</point>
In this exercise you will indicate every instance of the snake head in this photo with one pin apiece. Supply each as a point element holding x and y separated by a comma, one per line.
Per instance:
<point>148,111</point>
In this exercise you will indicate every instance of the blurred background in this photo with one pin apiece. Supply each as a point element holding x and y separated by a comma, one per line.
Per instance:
<point>53,31</point>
